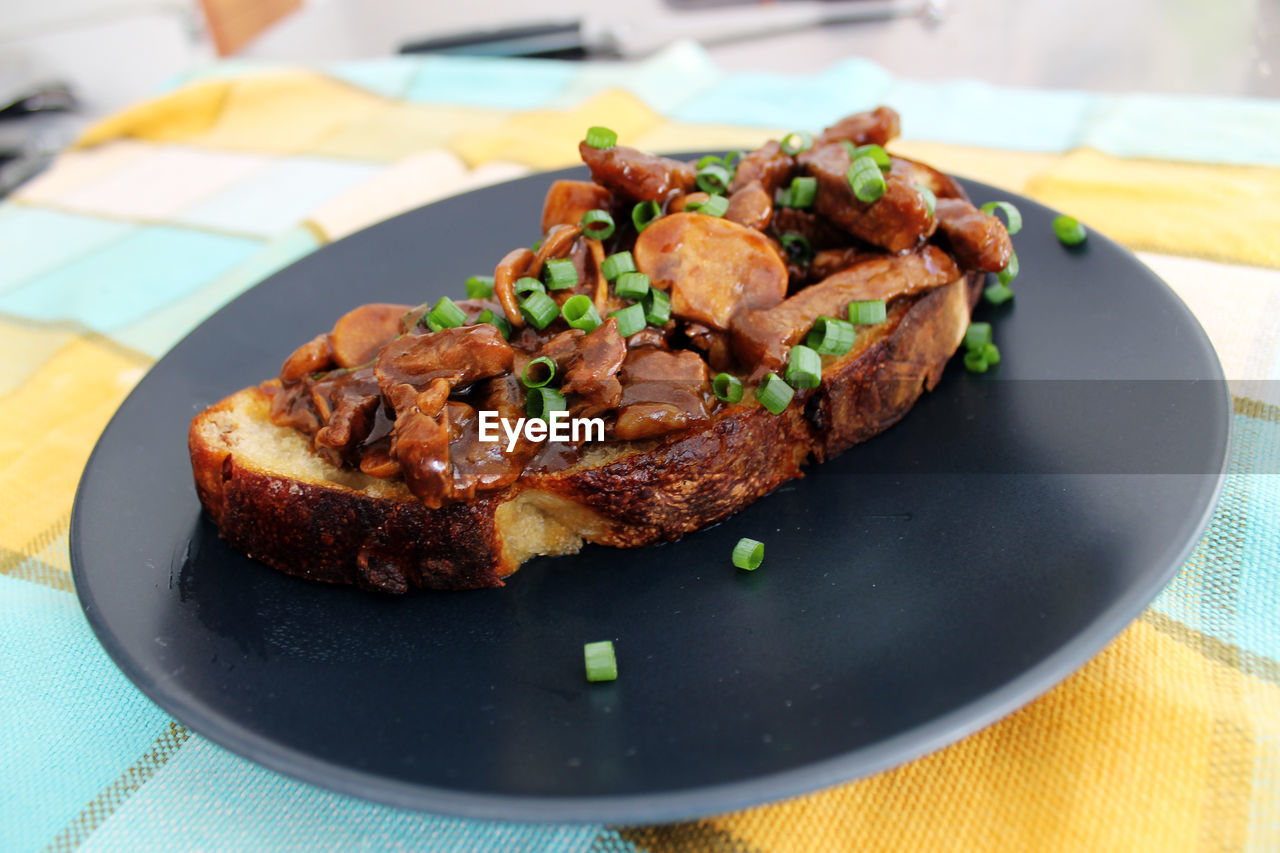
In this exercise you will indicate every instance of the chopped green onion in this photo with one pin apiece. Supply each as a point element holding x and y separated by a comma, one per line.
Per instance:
<point>541,366</point>
<point>830,336</point>
<point>632,285</point>
<point>1010,272</point>
<point>537,244</point>
<point>644,213</point>
<point>867,312</point>
<point>615,265</point>
<point>774,394</point>
<point>657,307</point>
<point>630,319</point>
<point>713,178</point>
<point>1011,213</point>
<point>865,180</point>
<point>732,159</point>
<point>580,312</point>
<point>542,401</point>
<point>480,287</point>
<point>998,294</point>
<point>795,142</point>
<point>500,323</point>
<point>1069,230</point>
<point>446,315</point>
<point>804,367</point>
<point>801,192</point>
<point>975,362</point>
<point>748,554</point>
<point>716,205</point>
<point>706,160</point>
<point>528,284</point>
<point>602,664</point>
<point>875,152</point>
<point>727,387</point>
<point>539,309</point>
<point>991,353</point>
<point>597,224</point>
<point>797,247</point>
<point>977,336</point>
<point>560,274</point>
<point>930,200</point>
<point>601,137</point>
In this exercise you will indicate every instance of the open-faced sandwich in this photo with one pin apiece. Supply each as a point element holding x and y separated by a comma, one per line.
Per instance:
<point>682,340</point>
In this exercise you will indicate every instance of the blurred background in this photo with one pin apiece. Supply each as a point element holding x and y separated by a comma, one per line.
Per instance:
<point>65,62</point>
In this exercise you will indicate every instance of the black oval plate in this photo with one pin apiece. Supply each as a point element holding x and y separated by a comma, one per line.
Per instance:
<point>914,590</point>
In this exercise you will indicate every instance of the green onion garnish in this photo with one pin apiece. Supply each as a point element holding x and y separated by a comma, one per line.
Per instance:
<point>868,312</point>
<point>991,353</point>
<point>541,402</point>
<point>804,367</point>
<point>580,312</point>
<point>632,285</point>
<point>500,323</point>
<point>644,213</point>
<point>539,309</point>
<point>727,387</point>
<point>716,205</point>
<point>601,137</point>
<point>732,159</point>
<point>998,294</point>
<point>748,554</point>
<point>930,200</point>
<point>875,152</point>
<point>774,394</point>
<point>528,284</point>
<point>602,664</point>
<point>445,315</point>
<point>560,274</point>
<point>657,307</point>
<point>1010,272</point>
<point>713,178</point>
<point>977,335</point>
<point>615,265</point>
<point>537,244</point>
<point>597,224</point>
<point>1011,213</point>
<point>543,367</point>
<point>480,287</point>
<point>797,247</point>
<point>1069,230</point>
<point>975,362</point>
<point>630,319</point>
<point>830,336</point>
<point>801,192</point>
<point>865,179</point>
<point>795,142</point>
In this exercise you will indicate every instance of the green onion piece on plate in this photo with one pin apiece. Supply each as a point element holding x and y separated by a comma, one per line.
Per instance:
<point>480,287</point>
<point>538,372</point>
<point>977,336</point>
<point>802,192</point>
<point>644,213</point>
<point>1010,272</point>
<point>748,554</point>
<point>601,663</point>
<point>714,206</point>
<point>727,387</point>
<point>616,264</point>
<point>804,367</point>
<point>1069,230</point>
<point>797,247</point>
<point>875,152</point>
<point>560,274</point>
<point>713,178</point>
<point>446,315</point>
<point>539,309</point>
<point>930,200</point>
<point>597,224</point>
<point>774,394</point>
<point>1010,212</point>
<point>601,137</point>
<point>630,319</point>
<point>991,353</point>
<point>998,294</point>
<point>632,285</point>
<point>580,312</point>
<point>528,284</point>
<point>795,142</point>
<point>975,362</point>
<point>541,402</point>
<point>657,307</point>
<point>500,323</point>
<point>865,180</point>
<point>830,336</point>
<point>867,312</point>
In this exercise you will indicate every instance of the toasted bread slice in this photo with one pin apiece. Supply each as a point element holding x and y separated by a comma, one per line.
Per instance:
<point>276,501</point>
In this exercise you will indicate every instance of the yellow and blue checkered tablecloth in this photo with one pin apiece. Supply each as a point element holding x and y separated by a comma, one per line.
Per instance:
<point>1168,740</point>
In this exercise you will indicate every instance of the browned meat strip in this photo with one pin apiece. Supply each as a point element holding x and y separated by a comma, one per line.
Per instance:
<point>878,126</point>
<point>567,201</point>
<point>459,356</point>
<point>589,363</point>
<point>764,337</point>
<point>661,392</point>
<point>769,165</point>
<point>897,221</point>
<point>979,241</point>
<point>636,175</point>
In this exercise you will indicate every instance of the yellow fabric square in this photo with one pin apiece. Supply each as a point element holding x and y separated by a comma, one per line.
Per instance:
<point>399,130</point>
<point>548,139</point>
<point>24,348</point>
<point>73,395</point>
<point>1011,170</point>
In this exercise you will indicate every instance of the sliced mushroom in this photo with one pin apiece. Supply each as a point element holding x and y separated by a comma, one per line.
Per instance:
<point>512,266</point>
<point>567,201</point>
<point>360,332</point>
